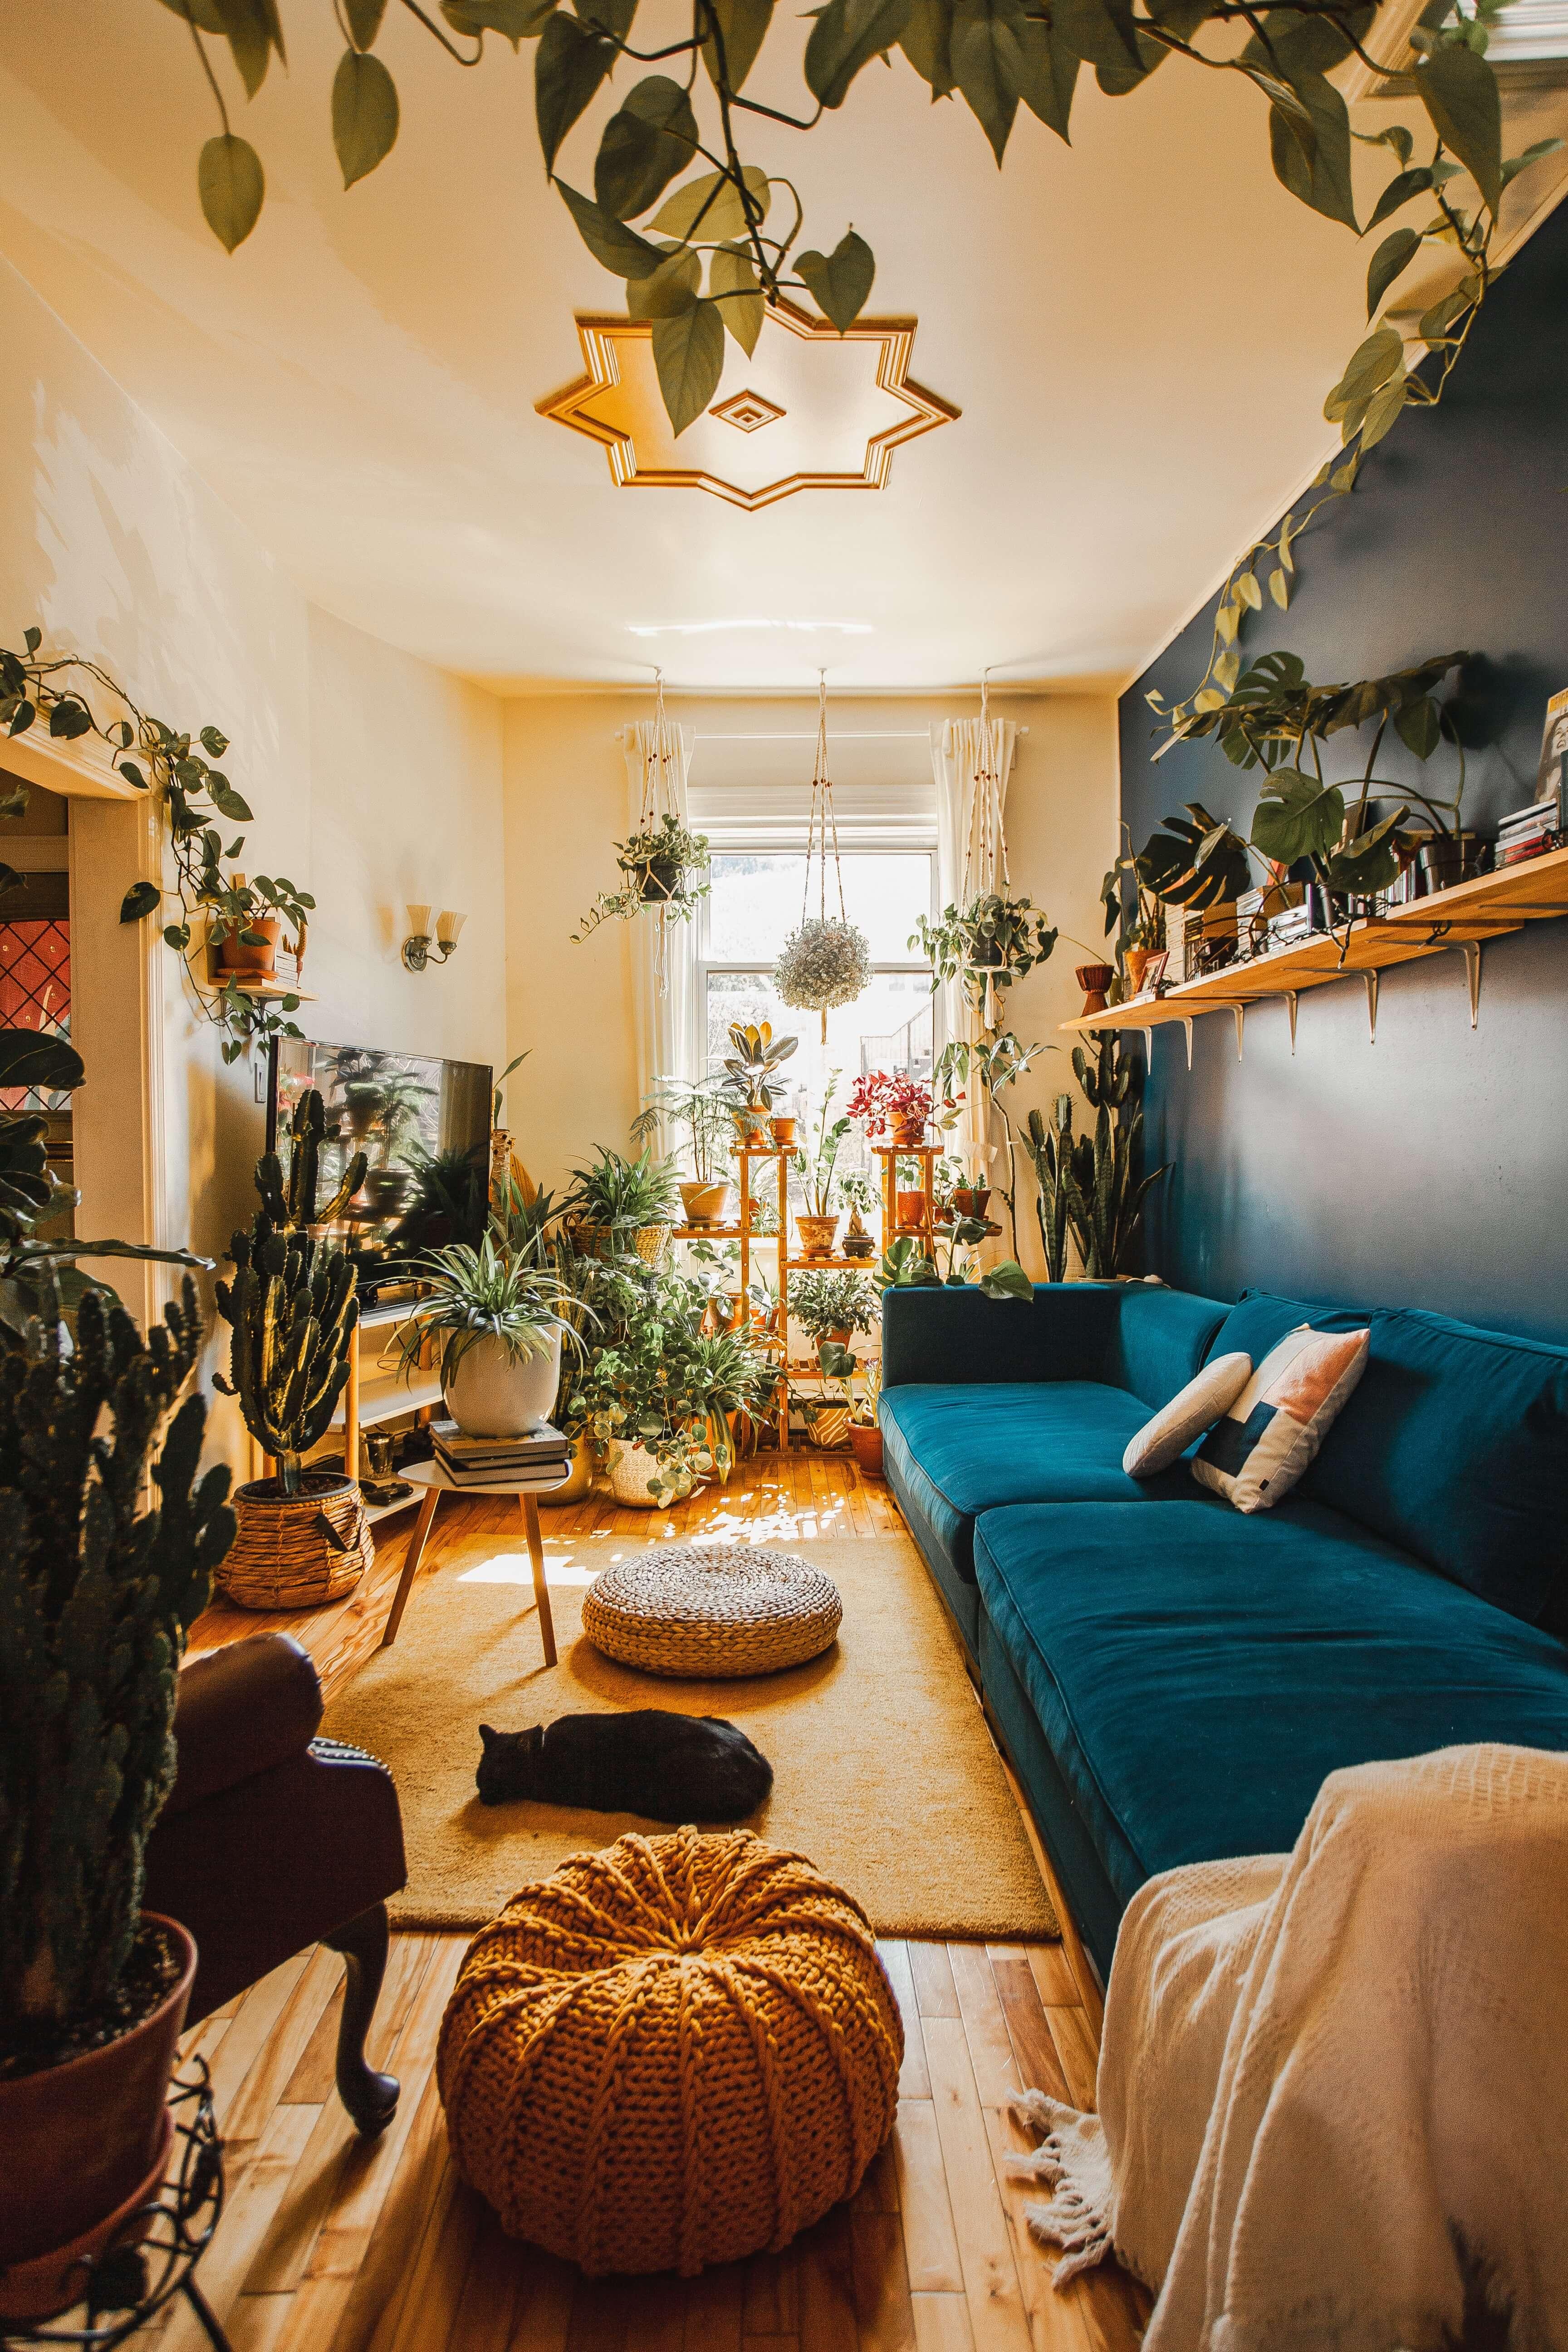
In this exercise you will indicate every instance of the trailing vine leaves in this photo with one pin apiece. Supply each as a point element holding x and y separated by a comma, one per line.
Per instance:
<point>998,56</point>
<point>191,791</point>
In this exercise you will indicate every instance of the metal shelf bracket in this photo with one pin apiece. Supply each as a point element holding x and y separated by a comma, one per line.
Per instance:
<point>1187,1025</point>
<point>1240,1013</point>
<point>1293,1004</point>
<point>1471,951</point>
<point>1372,979</point>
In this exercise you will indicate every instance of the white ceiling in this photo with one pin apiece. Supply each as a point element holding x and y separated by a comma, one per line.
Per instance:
<point>1139,332</point>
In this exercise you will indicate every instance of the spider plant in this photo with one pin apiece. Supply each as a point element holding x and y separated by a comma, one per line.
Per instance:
<point>484,1294</point>
<point>623,1193</point>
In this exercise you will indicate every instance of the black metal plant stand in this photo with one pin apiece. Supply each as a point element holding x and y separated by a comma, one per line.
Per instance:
<point>153,2256</point>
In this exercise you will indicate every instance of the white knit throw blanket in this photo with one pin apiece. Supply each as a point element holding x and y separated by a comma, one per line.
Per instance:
<point>1334,2084</point>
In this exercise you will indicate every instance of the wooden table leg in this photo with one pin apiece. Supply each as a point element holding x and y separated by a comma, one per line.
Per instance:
<point>411,1565</point>
<point>536,1561</point>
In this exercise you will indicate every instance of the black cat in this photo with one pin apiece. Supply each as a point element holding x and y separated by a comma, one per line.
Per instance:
<point>669,1767</point>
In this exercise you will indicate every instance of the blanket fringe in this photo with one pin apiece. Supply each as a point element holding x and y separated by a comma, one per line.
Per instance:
<point>1072,2160</point>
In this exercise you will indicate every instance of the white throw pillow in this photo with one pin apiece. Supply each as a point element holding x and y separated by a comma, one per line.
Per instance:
<point>1191,1410</point>
<point>1271,1432</point>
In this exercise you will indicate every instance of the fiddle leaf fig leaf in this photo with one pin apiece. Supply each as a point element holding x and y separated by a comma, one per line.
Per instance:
<point>364,21</point>
<point>231,184</point>
<point>364,114</point>
<point>840,281</point>
<point>742,26</point>
<point>733,275</point>
<point>1393,256</point>
<point>652,137</point>
<point>1459,91</point>
<point>619,248</point>
<point>847,35</point>
<point>689,353</point>
<point>710,207</point>
<point>569,66</point>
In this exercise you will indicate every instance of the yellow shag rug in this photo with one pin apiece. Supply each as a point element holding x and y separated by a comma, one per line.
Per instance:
<point>884,1773</point>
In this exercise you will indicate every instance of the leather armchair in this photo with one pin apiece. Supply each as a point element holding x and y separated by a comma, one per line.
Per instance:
<point>273,1839</point>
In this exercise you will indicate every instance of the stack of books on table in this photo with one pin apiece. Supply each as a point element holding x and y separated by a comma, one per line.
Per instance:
<point>543,1457</point>
<point>1529,832</point>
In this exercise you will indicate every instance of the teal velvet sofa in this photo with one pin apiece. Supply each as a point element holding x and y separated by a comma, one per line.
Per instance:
<point>1174,1679</point>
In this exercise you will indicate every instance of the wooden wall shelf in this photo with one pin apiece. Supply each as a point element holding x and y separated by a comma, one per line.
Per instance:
<point>1463,918</point>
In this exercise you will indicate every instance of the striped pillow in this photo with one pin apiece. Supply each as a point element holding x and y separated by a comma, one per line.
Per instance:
<point>1255,1454</point>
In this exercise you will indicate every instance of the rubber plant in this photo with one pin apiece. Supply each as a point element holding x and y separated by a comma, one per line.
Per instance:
<point>176,766</point>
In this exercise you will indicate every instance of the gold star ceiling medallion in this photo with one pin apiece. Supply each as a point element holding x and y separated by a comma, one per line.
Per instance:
<point>810,410</point>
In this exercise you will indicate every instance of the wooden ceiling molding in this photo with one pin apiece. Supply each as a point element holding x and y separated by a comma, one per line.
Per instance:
<point>836,407</point>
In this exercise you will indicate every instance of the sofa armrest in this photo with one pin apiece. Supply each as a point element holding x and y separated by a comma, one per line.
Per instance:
<point>1066,1332</point>
<point>240,1711</point>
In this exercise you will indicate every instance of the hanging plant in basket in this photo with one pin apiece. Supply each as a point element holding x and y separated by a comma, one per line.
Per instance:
<point>826,959</point>
<point>665,868</point>
<point>992,943</point>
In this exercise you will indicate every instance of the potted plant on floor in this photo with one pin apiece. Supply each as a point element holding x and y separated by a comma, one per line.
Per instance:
<point>303,1535</point>
<point>656,1391</point>
<point>618,1207</point>
<point>97,1591</point>
<point>816,1225</point>
<point>498,1323</point>
<point>860,1424</point>
<point>702,1112</point>
<point>832,1306</point>
<point>1104,1189</point>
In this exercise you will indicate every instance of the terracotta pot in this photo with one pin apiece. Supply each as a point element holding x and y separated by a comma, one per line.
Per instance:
<point>909,1211</point>
<point>970,1199</point>
<point>750,1124</point>
<point>909,1134</point>
<point>817,1235</point>
<point>238,955</point>
<point>866,1442</point>
<point>783,1131</point>
<point>839,1338</point>
<point>1137,965</point>
<point>85,2144</point>
<point>706,1203</point>
<point>1095,979</point>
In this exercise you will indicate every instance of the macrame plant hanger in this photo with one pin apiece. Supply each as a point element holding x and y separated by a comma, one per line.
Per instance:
<point>660,797</point>
<point>985,844</point>
<point>823,826</point>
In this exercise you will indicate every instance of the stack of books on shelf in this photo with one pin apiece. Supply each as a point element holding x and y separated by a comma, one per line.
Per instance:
<point>1292,925</point>
<point>1529,831</point>
<point>542,1456</point>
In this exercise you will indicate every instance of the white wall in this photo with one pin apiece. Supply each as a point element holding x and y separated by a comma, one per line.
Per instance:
<point>566,805</point>
<point>374,777</point>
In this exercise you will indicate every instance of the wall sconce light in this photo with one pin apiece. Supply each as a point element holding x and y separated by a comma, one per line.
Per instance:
<point>418,947</point>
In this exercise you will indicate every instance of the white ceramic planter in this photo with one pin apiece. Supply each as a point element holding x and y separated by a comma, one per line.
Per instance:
<point>491,1394</point>
<point>632,1471</point>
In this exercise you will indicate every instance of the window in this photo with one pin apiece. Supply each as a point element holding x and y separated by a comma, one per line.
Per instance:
<point>756,902</point>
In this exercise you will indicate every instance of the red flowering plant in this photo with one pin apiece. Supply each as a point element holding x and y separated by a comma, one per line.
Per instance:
<point>887,1100</point>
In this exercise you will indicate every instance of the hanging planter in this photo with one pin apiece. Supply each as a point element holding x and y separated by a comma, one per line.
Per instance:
<point>665,866</point>
<point>827,960</point>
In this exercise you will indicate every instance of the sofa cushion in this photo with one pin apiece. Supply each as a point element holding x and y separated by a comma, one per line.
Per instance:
<point>966,1448</point>
<point>1259,1321</point>
<point>1456,1447</point>
<point>1197,1673</point>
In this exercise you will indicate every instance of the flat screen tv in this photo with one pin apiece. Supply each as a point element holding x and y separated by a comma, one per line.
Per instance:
<point>424,1125</point>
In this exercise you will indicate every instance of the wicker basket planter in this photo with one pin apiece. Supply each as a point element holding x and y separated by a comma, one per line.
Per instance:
<point>828,1425</point>
<point>283,1557</point>
<point>633,1470</point>
<point>650,1242</point>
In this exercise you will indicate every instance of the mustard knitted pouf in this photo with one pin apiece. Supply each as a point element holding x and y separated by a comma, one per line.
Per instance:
<point>711,1612</point>
<point>677,2051</point>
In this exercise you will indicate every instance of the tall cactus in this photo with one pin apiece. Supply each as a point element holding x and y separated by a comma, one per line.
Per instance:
<point>97,1595</point>
<point>1050,1147</point>
<point>294,1309</point>
<point>294,1209</point>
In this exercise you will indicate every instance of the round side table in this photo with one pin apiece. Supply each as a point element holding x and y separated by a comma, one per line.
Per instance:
<point>430,1475</point>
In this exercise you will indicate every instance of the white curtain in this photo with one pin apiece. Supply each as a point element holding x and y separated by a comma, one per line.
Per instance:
<point>664,952</point>
<point>972,760</point>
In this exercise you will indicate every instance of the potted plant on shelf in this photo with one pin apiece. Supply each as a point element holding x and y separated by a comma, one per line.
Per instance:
<point>665,869</point>
<point>757,1055</point>
<point>98,1591</point>
<point>827,1416</point>
<point>860,1197</point>
<point>817,1223</point>
<point>498,1325</point>
<point>245,922</point>
<point>701,1109</point>
<point>891,1103</point>
<point>618,1206</point>
<point>832,1306</point>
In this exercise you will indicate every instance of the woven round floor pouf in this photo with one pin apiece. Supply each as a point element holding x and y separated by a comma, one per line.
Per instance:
<point>679,2052</point>
<point>711,1613</point>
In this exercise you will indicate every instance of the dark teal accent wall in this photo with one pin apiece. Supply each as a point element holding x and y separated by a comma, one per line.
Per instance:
<point>1429,1169</point>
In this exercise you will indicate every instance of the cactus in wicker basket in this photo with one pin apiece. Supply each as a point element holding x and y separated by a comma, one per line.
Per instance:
<point>293,1310</point>
<point>290,1204</point>
<point>97,1595</point>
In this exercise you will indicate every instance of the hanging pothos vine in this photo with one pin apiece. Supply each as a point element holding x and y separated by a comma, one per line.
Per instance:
<point>36,688</point>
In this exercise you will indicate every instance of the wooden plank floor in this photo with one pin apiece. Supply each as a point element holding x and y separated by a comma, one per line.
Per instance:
<point>329,2244</point>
